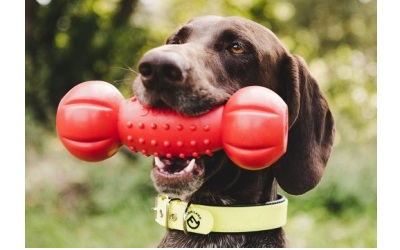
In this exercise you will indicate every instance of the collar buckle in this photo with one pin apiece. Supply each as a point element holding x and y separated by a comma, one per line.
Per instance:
<point>164,212</point>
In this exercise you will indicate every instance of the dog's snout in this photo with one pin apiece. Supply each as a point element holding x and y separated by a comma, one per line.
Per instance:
<point>168,71</point>
<point>162,69</point>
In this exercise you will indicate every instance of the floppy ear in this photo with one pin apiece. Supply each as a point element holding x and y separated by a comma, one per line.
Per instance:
<point>311,129</point>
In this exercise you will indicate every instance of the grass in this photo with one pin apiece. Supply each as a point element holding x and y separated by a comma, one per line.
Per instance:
<point>70,203</point>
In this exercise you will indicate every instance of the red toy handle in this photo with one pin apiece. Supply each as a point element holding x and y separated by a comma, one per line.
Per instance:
<point>164,132</point>
<point>94,120</point>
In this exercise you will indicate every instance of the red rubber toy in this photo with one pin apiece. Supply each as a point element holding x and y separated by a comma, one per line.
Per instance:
<point>94,120</point>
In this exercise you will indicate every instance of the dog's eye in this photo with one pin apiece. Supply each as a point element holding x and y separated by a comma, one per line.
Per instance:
<point>236,49</point>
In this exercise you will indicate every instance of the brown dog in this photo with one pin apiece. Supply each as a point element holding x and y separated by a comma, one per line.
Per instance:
<point>203,63</point>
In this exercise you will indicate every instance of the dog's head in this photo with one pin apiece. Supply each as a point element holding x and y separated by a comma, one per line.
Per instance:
<point>202,64</point>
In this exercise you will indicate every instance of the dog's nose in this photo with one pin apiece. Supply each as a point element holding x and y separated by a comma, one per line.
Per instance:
<point>162,69</point>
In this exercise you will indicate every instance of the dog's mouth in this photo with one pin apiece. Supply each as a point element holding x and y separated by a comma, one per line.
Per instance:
<point>178,177</point>
<point>177,167</point>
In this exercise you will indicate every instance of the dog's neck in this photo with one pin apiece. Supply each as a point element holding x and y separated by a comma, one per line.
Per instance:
<point>271,238</point>
<point>236,186</point>
<point>229,185</point>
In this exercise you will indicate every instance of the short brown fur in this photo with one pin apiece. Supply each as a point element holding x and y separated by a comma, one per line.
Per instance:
<point>197,70</point>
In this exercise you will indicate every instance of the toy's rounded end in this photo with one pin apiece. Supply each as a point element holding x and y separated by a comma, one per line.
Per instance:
<point>255,127</point>
<point>87,119</point>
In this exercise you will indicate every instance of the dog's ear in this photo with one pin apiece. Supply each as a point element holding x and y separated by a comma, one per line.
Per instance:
<point>311,129</point>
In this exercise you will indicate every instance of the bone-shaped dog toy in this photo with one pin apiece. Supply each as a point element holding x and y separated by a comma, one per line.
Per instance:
<point>94,119</point>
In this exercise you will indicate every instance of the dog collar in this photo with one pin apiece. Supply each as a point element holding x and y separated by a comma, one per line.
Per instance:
<point>201,219</point>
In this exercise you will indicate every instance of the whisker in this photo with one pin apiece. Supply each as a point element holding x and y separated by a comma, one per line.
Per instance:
<point>123,81</point>
<point>132,70</point>
<point>127,69</point>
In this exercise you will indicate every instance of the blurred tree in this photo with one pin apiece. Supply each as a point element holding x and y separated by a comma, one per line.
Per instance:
<point>68,42</point>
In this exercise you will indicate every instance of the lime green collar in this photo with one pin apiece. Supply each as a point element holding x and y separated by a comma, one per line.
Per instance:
<point>195,218</point>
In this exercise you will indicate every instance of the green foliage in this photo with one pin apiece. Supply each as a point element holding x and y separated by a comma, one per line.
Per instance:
<point>69,42</point>
<point>70,203</point>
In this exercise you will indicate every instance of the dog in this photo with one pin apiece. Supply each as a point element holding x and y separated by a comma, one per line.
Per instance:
<point>201,65</point>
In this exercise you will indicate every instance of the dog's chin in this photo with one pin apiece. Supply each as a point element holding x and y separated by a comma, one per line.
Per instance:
<point>176,177</point>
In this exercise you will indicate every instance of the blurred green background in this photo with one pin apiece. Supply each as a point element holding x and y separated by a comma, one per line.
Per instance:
<point>70,203</point>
